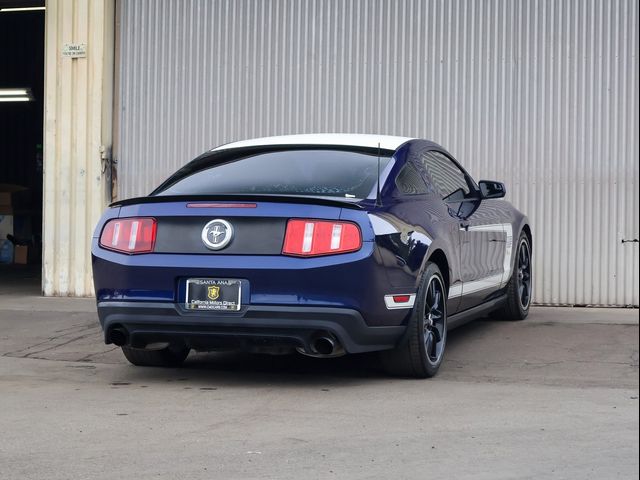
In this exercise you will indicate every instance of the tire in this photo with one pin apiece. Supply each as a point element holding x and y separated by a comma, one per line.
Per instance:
<point>167,357</point>
<point>520,284</point>
<point>417,355</point>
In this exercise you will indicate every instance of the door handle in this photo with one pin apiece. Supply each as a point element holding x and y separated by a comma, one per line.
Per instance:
<point>464,226</point>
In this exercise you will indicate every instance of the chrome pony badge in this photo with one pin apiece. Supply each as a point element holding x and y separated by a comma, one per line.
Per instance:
<point>217,234</point>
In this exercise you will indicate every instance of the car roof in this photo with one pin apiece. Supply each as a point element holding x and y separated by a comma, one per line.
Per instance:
<point>386,142</point>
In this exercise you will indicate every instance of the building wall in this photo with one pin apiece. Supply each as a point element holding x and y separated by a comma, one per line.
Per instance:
<point>77,123</point>
<point>539,94</point>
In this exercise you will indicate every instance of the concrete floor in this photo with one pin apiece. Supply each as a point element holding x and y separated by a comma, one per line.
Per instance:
<point>555,396</point>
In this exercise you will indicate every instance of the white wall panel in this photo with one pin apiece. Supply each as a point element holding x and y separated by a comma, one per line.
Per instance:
<point>78,111</point>
<point>540,94</point>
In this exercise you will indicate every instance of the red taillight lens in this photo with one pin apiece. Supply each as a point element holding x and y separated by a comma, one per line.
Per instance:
<point>307,238</point>
<point>129,235</point>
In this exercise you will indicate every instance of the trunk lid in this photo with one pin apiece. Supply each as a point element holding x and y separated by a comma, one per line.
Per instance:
<point>258,224</point>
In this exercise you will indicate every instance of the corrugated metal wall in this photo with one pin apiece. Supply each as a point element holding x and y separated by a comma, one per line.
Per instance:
<point>542,95</point>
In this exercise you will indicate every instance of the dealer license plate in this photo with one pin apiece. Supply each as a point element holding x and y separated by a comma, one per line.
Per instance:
<point>213,294</point>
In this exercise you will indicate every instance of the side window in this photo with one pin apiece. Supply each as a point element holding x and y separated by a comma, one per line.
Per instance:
<point>410,182</point>
<point>446,177</point>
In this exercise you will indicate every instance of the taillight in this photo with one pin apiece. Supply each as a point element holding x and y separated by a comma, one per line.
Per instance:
<point>129,235</point>
<point>307,238</point>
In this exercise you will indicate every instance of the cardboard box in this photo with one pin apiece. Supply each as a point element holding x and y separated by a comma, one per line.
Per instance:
<point>6,226</point>
<point>20,254</point>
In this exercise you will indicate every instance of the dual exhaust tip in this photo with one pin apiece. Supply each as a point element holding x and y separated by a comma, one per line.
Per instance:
<point>323,345</point>
<point>118,336</point>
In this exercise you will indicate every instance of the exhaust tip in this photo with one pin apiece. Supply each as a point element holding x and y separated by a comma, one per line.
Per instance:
<point>323,345</point>
<point>118,336</point>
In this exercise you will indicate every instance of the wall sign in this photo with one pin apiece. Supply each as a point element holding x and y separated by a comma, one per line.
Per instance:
<point>74,50</point>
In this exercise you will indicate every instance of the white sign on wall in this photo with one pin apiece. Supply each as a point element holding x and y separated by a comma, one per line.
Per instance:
<point>74,50</point>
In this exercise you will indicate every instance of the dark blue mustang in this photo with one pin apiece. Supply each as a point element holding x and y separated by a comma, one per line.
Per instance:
<point>291,243</point>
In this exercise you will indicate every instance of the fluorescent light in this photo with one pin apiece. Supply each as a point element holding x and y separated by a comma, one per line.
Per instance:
<point>21,9</point>
<point>15,99</point>
<point>15,95</point>
<point>11,92</point>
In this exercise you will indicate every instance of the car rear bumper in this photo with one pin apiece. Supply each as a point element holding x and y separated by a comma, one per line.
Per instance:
<point>256,326</point>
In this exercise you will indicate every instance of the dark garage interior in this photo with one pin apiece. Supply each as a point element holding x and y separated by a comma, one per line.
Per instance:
<point>21,140</point>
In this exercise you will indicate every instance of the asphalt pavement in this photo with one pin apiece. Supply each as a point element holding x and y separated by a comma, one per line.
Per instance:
<point>554,396</point>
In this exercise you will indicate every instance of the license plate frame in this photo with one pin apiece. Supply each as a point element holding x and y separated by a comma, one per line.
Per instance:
<point>213,294</point>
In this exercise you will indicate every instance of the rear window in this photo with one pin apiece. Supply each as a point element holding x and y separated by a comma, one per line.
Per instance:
<point>327,173</point>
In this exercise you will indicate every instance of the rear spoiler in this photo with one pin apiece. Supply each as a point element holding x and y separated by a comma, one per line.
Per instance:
<point>353,203</point>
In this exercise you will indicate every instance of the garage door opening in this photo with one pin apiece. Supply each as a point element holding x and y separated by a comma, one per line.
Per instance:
<point>21,135</point>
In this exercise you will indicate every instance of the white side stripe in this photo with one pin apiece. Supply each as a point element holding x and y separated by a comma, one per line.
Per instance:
<point>506,273</point>
<point>482,284</point>
<point>455,290</point>
<point>494,281</point>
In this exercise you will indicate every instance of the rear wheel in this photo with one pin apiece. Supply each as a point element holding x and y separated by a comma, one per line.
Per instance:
<point>421,353</point>
<point>520,285</point>
<point>171,356</point>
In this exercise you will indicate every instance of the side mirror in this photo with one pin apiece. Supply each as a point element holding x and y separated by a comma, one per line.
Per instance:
<point>491,189</point>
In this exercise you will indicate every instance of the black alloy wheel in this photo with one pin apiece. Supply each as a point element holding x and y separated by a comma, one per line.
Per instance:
<point>421,352</point>
<point>518,291</point>
<point>524,274</point>
<point>434,320</point>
